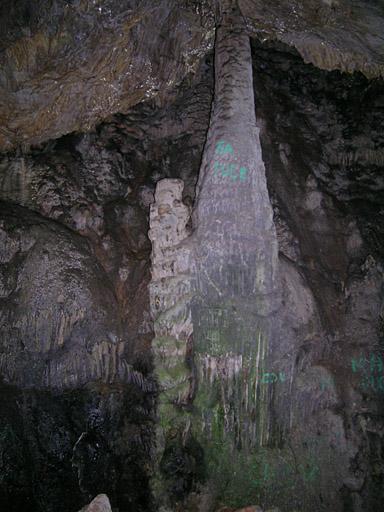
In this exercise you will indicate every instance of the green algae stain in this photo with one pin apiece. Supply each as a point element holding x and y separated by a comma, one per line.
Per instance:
<point>242,477</point>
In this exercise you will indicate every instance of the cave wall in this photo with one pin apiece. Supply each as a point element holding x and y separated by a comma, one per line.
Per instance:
<point>319,384</point>
<point>77,393</point>
<point>329,248</point>
<point>321,377</point>
<point>76,326</point>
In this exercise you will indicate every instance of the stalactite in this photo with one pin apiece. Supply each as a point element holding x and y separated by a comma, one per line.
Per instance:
<point>235,239</point>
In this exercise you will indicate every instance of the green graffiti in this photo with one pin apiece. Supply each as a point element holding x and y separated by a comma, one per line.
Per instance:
<point>225,163</point>
<point>243,173</point>
<point>326,383</point>
<point>374,382</point>
<point>308,472</point>
<point>372,370</point>
<point>372,364</point>
<point>223,148</point>
<point>271,378</point>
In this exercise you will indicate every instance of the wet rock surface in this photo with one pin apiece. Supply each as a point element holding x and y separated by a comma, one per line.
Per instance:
<point>331,34</point>
<point>77,397</point>
<point>325,369</point>
<point>61,448</point>
<point>80,61</point>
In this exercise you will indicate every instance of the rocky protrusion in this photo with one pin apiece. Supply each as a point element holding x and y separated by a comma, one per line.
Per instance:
<point>170,288</point>
<point>170,260</point>
<point>236,255</point>
<point>99,504</point>
<point>224,273</point>
<point>170,296</point>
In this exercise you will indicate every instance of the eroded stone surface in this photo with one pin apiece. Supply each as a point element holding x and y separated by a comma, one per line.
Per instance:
<point>82,232</point>
<point>233,264</point>
<point>171,292</point>
<point>326,227</point>
<point>68,65</point>
<point>322,147</point>
<point>99,504</point>
<point>121,54</point>
<point>59,324</point>
<point>314,361</point>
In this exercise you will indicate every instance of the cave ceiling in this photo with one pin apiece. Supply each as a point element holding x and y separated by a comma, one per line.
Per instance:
<point>66,66</point>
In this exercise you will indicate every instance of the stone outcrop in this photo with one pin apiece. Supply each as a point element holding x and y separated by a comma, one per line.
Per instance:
<point>99,504</point>
<point>119,53</point>
<point>171,292</point>
<point>39,255</point>
<point>77,402</point>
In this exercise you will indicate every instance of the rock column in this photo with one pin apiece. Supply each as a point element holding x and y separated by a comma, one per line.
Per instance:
<point>235,252</point>
<point>214,291</point>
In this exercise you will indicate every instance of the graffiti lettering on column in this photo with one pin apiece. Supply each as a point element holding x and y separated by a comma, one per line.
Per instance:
<point>326,383</point>
<point>226,165</point>
<point>271,378</point>
<point>371,370</point>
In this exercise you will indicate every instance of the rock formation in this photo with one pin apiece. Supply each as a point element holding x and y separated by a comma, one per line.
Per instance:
<point>99,504</point>
<point>191,255</point>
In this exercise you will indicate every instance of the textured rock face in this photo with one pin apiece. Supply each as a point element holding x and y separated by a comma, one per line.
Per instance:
<point>269,400</point>
<point>73,412</point>
<point>236,253</point>
<point>171,288</point>
<point>334,246</point>
<point>77,397</point>
<point>171,291</point>
<point>67,65</point>
<point>55,299</point>
<point>317,30</point>
<point>99,504</point>
<point>168,222</point>
<point>120,53</point>
<point>232,263</point>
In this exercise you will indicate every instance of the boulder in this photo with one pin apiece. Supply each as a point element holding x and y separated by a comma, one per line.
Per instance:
<point>99,504</point>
